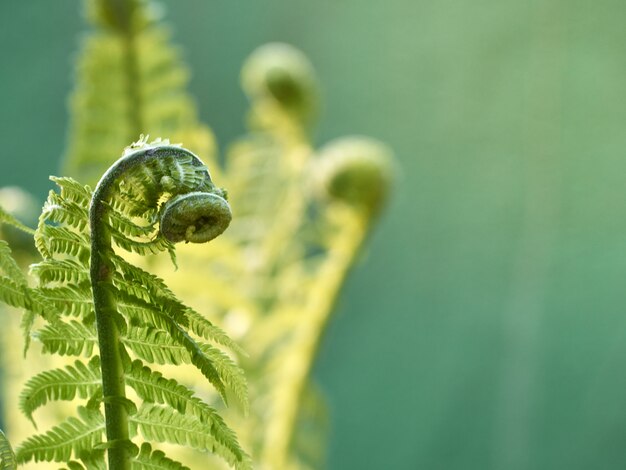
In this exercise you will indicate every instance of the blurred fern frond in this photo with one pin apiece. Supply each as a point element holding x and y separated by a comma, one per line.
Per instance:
<point>129,81</point>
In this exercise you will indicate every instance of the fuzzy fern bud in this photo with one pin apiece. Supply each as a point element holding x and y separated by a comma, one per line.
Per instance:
<point>281,74</point>
<point>357,171</point>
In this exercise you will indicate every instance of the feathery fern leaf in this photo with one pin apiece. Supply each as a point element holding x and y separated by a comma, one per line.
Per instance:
<point>73,436</point>
<point>66,212</point>
<point>155,346</point>
<point>7,456</point>
<point>153,324</point>
<point>149,459</point>
<point>72,300</point>
<point>154,288</point>
<point>52,240</point>
<point>13,294</point>
<point>152,387</point>
<point>71,338</point>
<point>82,380</point>
<point>66,271</point>
<point>9,266</point>
<point>162,424</point>
<point>8,219</point>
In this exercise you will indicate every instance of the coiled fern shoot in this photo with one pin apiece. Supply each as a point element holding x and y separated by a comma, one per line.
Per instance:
<point>93,300</point>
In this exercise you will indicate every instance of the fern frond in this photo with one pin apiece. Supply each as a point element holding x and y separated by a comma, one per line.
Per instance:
<point>161,424</point>
<point>56,209</point>
<point>8,219</point>
<point>74,435</point>
<point>155,346</point>
<point>165,315</point>
<point>53,240</point>
<point>159,99</point>
<point>124,226</point>
<point>137,310</point>
<point>203,328</point>
<point>68,300</point>
<point>149,287</point>
<point>152,247</point>
<point>9,266</point>
<point>7,456</point>
<point>82,380</point>
<point>72,190</point>
<point>68,339</point>
<point>65,271</point>
<point>149,459</point>
<point>142,209</point>
<point>229,372</point>
<point>152,387</point>
<point>12,293</point>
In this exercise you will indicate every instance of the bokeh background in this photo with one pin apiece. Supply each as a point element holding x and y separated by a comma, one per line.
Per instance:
<point>485,327</point>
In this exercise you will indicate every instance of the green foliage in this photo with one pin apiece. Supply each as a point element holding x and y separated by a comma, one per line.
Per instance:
<point>7,456</point>
<point>301,217</point>
<point>154,325</point>
<point>75,435</point>
<point>82,380</point>
<point>130,81</point>
<point>8,219</point>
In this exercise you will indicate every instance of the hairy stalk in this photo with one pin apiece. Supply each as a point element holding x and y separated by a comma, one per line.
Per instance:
<point>112,368</point>
<point>322,297</point>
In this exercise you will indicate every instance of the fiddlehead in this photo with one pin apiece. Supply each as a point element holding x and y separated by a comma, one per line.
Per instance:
<point>196,217</point>
<point>195,212</point>
<point>356,171</point>
<point>279,78</point>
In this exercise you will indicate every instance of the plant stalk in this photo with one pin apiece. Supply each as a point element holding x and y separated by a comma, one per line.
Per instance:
<point>112,367</point>
<point>302,355</point>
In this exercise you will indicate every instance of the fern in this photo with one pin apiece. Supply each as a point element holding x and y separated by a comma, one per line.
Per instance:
<point>154,460</point>
<point>73,436</point>
<point>7,456</point>
<point>124,311</point>
<point>130,80</point>
<point>301,217</point>
<point>82,380</point>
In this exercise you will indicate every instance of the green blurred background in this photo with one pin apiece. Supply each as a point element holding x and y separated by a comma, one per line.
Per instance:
<point>485,327</point>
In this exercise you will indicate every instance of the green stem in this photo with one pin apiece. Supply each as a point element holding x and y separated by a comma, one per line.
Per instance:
<point>125,13</point>
<point>135,104</point>
<point>112,368</point>
<point>315,319</point>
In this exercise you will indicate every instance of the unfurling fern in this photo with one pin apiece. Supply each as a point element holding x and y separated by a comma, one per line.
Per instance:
<point>91,298</point>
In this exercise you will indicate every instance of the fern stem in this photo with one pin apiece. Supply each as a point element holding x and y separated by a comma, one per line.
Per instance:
<point>322,295</point>
<point>101,271</point>
<point>125,13</point>
<point>135,104</point>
